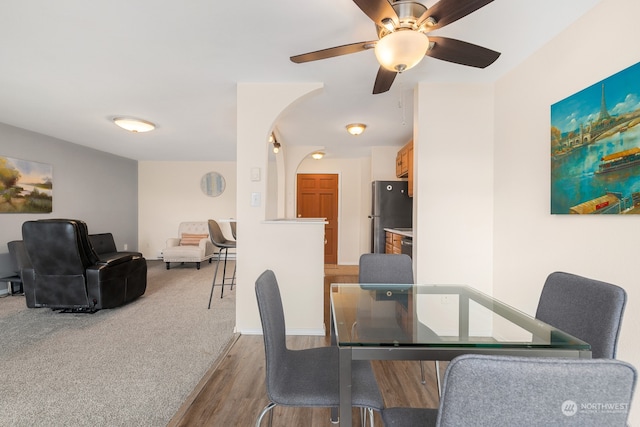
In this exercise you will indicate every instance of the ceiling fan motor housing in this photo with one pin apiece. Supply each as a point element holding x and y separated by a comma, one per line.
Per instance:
<point>408,13</point>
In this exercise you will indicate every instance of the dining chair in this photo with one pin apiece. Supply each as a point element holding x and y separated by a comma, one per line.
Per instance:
<point>486,390</point>
<point>308,377</point>
<point>233,226</point>
<point>391,268</point>
<point>223,245</point>
<point>588,309</point>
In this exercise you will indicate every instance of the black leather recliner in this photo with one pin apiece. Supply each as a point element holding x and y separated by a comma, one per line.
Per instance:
<point>105,247</point>
<point>67,273</point>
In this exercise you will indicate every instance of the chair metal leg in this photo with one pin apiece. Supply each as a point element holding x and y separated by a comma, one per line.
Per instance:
<point>438,378</point>
<point>215,275</point>
<point>224,271</point>
<point>233,279</point>
<point>335,419</point>
<point>364,414</point>
<point>266,409</point>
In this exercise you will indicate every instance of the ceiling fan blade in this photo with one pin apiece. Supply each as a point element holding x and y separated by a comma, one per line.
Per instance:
<point>378,10</point>
<point>384,80</point>
<point>333,51</point>
<point>460,52</point>
<point>447,11</point>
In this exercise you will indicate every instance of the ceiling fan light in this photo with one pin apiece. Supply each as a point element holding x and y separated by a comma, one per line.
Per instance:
<point>356,129</point>
<point>401,50</point>
<point>388,24</point>
<point>134,125</point>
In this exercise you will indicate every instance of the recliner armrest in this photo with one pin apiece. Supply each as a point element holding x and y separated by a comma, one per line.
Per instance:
<point>114,259</point>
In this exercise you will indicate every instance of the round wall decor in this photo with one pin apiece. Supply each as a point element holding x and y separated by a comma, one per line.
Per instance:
<point>212,184</point>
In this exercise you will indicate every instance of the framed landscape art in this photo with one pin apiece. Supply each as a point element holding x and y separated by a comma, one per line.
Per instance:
<point>25,186</point>
<point>595,148</point>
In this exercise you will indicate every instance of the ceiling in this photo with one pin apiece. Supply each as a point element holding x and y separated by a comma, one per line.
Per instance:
<point>70,66</point>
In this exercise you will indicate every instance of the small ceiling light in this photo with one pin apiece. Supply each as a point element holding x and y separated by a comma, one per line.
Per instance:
<point>356,128</point>
<point>401,50</point>
<point>318,155</point>
<point>274,142</point>
<point>134,125</point>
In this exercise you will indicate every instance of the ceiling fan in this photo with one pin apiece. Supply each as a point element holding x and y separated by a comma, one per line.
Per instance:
<point>402,28</point>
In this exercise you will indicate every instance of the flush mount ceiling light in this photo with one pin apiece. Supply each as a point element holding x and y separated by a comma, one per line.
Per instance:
<point>318,155</point>
<point>401,50</point>
<point>356,128</point>
<point>134,125</point>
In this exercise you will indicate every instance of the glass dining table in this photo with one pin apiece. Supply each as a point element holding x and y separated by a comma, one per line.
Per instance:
<point>428,322</point>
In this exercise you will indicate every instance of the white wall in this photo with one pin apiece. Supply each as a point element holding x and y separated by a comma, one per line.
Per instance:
<point>294,251</point>
<point>530,243</point>
<point>453,198</point>
<point>383,163</point>
<point>170,193</point>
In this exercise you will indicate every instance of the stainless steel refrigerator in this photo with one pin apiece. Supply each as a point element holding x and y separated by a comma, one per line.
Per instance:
<point>391,207</point>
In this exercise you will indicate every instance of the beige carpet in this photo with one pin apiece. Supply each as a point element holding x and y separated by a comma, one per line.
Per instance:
<point>129,366</point>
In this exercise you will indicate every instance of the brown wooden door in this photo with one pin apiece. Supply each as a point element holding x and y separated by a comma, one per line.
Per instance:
<point>317,197</point>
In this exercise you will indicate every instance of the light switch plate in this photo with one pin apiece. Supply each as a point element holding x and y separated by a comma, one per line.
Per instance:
<point>255,199</point>
<point>255,174</point>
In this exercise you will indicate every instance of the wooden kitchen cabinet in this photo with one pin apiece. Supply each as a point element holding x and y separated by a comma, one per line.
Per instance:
<point>393,243</point>
<point>410,167</point>
<point>404,164</point>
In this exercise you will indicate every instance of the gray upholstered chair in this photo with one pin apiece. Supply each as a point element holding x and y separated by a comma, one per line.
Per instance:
<point>309,377</point>
<point>391,268</point>
<point>385,268</point>
<point>481,390</point>
<point>223,245</point>
<point>585,308</point>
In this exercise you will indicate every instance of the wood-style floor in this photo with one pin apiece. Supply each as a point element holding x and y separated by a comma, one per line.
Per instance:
<point>233,393</point>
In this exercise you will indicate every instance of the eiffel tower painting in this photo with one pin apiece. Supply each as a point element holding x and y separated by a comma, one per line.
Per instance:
<point>595,148</point>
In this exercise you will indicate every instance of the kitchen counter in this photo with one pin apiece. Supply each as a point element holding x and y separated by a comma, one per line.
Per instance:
<point>406,232</point>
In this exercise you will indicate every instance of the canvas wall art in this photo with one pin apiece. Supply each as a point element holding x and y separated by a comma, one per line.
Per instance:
<point>25,186</point>
<point>595,148</point>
